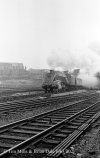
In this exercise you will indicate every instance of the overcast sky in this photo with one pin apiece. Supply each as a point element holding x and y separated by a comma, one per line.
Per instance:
<point>31,29</point>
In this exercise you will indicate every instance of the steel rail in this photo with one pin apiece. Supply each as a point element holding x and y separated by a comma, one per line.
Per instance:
<point>45,132</point>
<point>31,103</point>
<point>64,145</point>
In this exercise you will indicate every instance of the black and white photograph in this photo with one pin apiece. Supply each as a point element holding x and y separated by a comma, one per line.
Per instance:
<point>49,78</point>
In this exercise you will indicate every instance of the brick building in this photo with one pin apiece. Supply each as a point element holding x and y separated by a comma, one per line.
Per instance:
<point>13,71</point>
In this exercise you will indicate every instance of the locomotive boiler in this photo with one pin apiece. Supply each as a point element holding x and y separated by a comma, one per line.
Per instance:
<point>57,81</point>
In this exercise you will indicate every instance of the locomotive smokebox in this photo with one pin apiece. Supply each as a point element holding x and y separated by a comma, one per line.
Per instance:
<point>52,71</point>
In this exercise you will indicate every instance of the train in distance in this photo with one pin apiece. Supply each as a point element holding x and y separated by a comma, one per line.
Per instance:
<point>55,81</point>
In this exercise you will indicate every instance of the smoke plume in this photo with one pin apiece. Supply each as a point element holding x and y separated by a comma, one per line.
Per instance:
<point>87,60</point>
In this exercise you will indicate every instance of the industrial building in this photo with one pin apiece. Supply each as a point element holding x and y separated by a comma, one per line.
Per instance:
<point>12,71</point>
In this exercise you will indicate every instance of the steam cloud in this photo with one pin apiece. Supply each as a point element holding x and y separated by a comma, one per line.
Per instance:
<point>87,60</point>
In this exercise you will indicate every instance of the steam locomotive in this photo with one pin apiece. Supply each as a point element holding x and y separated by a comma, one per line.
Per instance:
<point>54,81</point>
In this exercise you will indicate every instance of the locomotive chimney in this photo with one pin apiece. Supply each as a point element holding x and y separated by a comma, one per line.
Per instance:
<point>76,72</point>
<point>66,72</point>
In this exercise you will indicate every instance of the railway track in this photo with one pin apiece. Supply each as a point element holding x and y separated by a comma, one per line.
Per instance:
<point>20,95</point>
<point>11,95</point>
<point>31,103</point>
<point>53,130</point>
<point>17,90</point>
